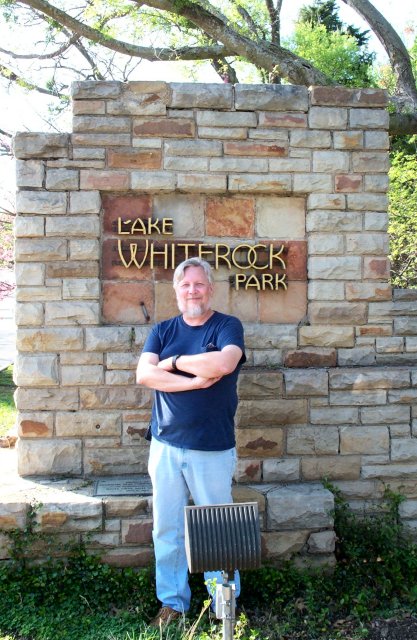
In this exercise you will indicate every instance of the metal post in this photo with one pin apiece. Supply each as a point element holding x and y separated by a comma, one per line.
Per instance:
<point>228,608</point>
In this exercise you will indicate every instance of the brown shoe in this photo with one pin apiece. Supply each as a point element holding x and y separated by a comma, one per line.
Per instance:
<point>165,616</point>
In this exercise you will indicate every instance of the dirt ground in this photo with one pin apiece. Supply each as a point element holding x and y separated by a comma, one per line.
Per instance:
<point>394,629</point>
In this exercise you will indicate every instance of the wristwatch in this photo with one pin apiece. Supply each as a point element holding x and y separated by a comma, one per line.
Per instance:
<point>174,362</point>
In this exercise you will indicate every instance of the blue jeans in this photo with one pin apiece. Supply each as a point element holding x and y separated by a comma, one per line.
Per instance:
<point>176,473</point>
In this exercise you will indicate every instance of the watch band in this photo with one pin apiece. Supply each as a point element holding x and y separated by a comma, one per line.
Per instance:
<point>174,362</point>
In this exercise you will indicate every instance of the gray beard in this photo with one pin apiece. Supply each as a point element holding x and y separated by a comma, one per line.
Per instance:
<point>194,312</point>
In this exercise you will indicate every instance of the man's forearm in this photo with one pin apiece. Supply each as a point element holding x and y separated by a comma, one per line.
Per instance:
<point>154,377</point>
<point>208,365</point>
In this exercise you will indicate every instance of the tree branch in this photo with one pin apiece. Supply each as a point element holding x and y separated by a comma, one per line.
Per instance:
<point>264,55</point>
<point>393,45</point>
<point>5,143</point>
<point>13,77</point>
<point>274,20</point>
<point>126,48</point>
<point>45,56</point>
<point>268,56</point>
<point>225,71</point>
<point>248,19</point>
<point>83,51</point>
<point>114,15</point>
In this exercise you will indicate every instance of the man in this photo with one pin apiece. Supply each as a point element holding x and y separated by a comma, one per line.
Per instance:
<point>192,362</point>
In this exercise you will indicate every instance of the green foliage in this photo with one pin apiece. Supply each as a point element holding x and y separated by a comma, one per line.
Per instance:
<point>321,12</point>
<point>74,600</point>
<point>338,47</point>
<point>403,213</point>
<point>6,378</point>
<point>30,542</point>
<point>7,407</point>
<point>337,54</point>
<point>413,56</point>
<point>376,573</point>
<point>83,599</point>
<point>326,13</point>
<point>377,560</point>
<point>23,540</point>
<point>386,79</point>
<point>7,8</point>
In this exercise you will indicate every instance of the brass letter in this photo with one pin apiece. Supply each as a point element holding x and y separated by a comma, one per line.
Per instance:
<point>276,256</point>
<point>280,280</point>
<point>239,248</point>
<point>153,225</point>
<point>222,256</point>
<point>204,252</point>
<point>173,265</point>
<point>267,278</point>
<point>239,277</point>
<point>167,226</point>
<point>163,252</point>
<point>119,226</point>
<point>255,248</point>
<point>253,281</point>
<point>141,227</point>
<point>133,251</point>
<point>186,246</point>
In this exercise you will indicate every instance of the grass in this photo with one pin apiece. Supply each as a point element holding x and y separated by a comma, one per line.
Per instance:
<point>7,407</point>
<point>82,599</point>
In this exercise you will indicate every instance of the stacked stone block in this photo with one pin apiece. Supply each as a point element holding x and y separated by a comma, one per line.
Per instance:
<point>330,386</point>
<point>344,424</point>
<point>294,520</point>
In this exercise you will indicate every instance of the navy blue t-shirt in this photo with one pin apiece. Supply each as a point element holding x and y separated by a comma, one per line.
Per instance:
<point>201,419</point>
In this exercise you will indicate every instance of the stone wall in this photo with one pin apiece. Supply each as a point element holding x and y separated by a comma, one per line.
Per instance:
<point>295,519</point>
<point>330,386</point>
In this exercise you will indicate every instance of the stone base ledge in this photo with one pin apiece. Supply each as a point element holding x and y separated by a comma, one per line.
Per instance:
<point>296,519</point>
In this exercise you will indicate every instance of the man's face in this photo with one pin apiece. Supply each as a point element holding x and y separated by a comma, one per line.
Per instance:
<point>194,292</point>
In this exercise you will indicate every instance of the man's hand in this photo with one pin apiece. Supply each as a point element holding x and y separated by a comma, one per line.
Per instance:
<point>165,364</point>
<point>204,383</point>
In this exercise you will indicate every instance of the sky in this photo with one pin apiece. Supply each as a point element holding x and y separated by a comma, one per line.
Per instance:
<point>20,111</point>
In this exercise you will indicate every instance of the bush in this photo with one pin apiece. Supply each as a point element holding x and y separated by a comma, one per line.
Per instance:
<point>377,560</point>
<point>403,214</point>
<point>376,573</point>
<point>82,599</point>
<point>77,599</point>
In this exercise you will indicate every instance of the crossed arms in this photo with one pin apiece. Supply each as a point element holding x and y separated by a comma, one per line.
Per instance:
<point>207,369</point>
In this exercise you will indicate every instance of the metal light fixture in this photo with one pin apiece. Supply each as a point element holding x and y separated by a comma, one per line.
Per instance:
<point>223,537</point>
